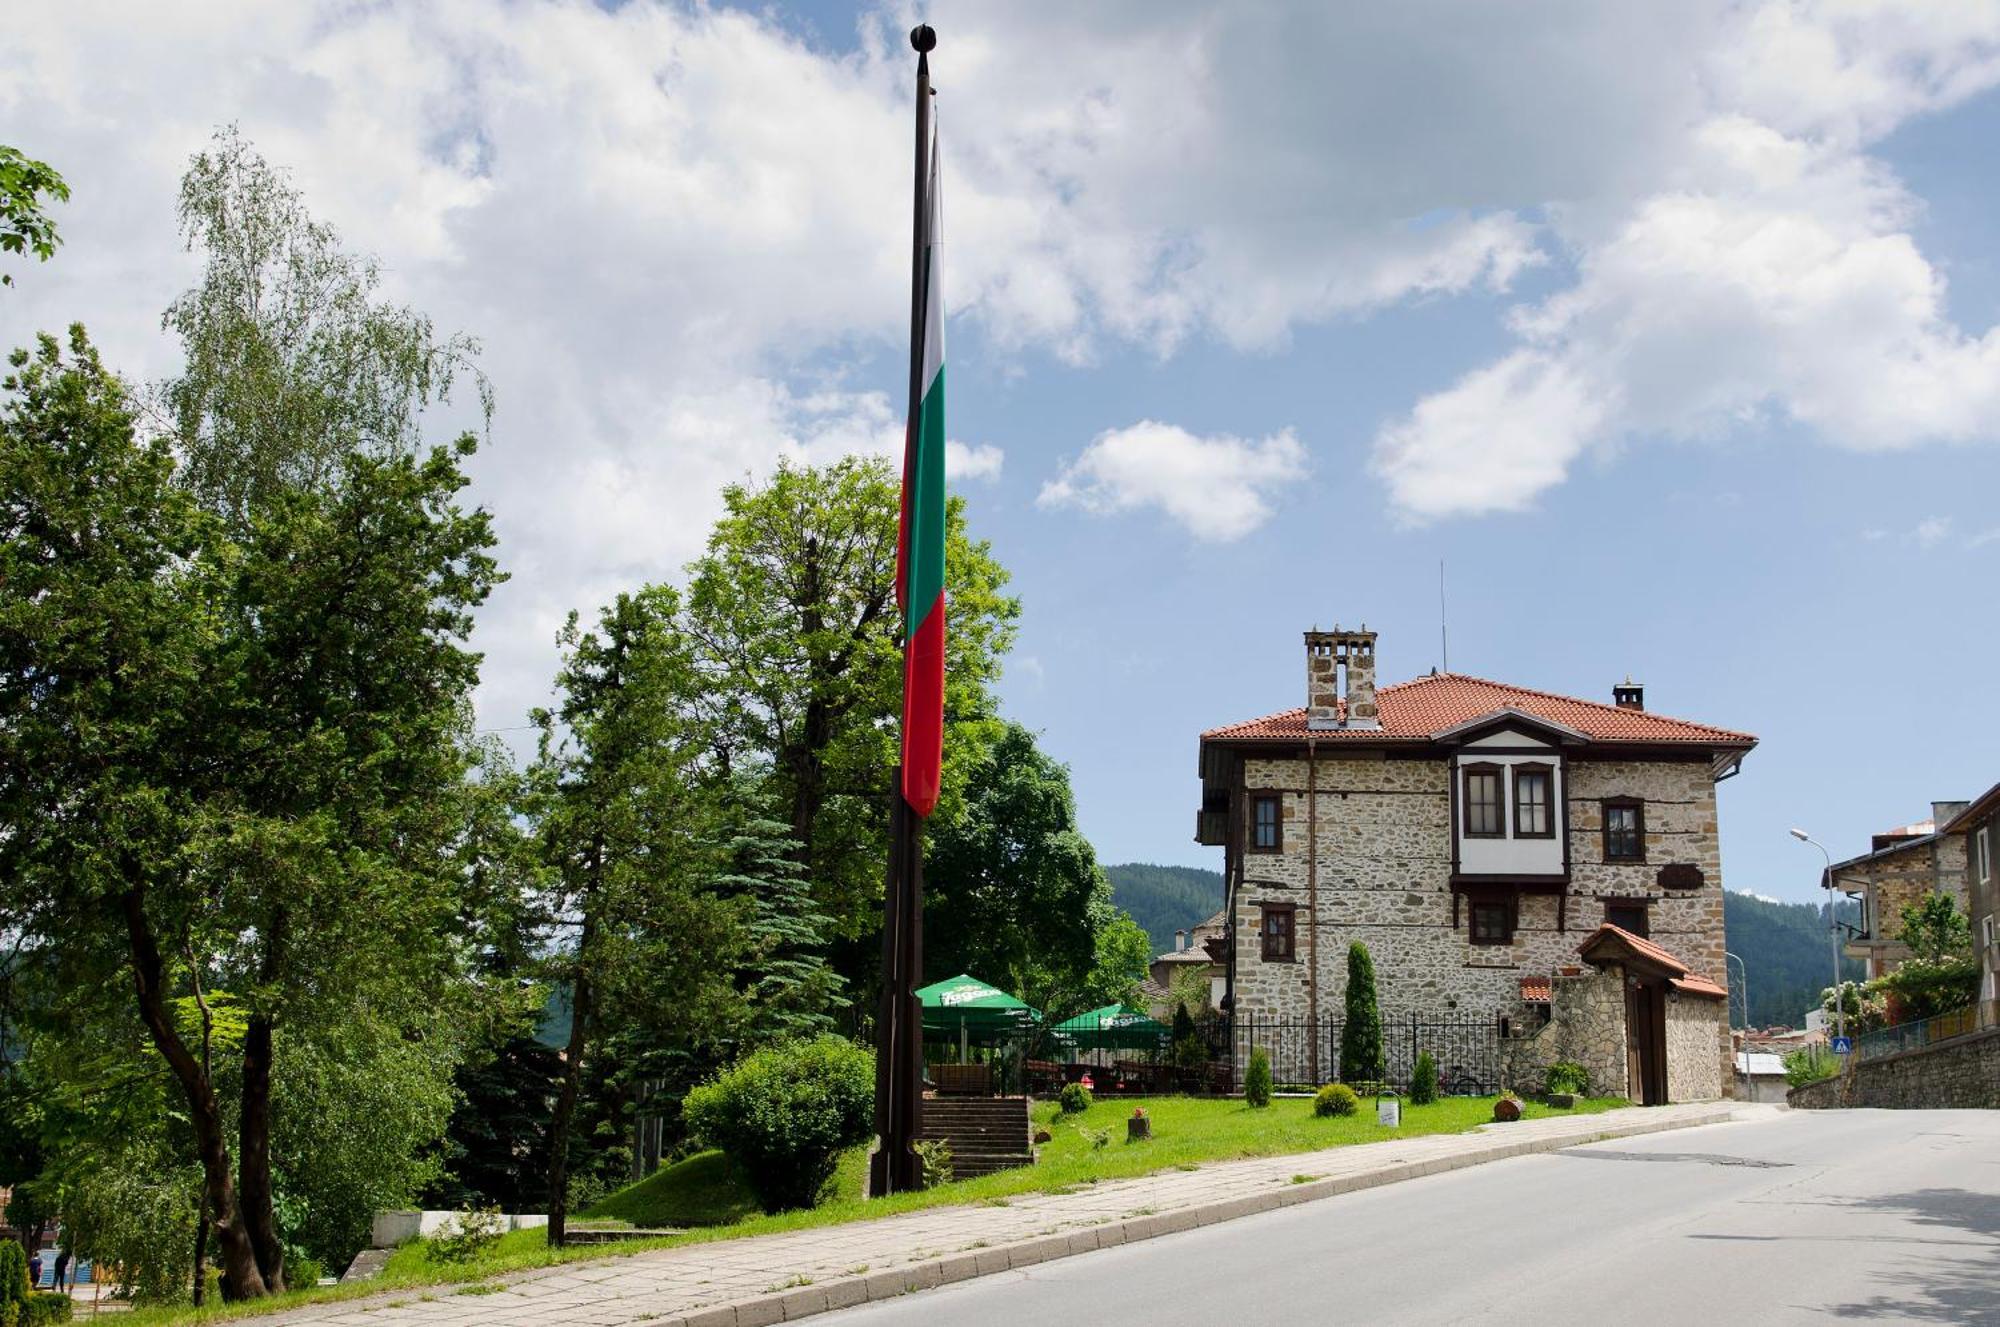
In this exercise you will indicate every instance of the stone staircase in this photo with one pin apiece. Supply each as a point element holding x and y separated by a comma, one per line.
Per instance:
<point>986,1133</point>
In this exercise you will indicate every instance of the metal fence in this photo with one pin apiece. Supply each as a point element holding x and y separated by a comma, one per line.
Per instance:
<point>1925,1031</point>
<point>1466,1051</point>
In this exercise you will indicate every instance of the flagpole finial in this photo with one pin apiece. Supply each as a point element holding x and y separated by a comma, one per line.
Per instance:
<point>924,38</point>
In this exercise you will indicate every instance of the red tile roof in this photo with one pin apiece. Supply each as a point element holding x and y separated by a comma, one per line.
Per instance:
<point>1679,976</point>
<point>1535,990</point>
<point>1412,711</point>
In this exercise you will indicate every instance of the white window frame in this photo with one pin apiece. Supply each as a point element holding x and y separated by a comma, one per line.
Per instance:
<point>1982,854</point>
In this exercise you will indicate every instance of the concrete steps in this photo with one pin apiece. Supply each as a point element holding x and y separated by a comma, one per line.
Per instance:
<point>985,1133</point>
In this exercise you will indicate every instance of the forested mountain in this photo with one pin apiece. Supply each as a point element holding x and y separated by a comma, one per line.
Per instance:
<point>1785,955</point>
<point>1165,899</point>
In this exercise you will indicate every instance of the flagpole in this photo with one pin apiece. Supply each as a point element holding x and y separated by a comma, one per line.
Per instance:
<point>899,1025</point>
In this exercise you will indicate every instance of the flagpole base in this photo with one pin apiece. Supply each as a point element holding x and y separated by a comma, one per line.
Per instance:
<point>899,1027</point>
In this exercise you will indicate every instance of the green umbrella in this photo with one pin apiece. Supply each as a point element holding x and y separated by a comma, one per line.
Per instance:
<point>965,1004</point>
<point>1114,1027</point>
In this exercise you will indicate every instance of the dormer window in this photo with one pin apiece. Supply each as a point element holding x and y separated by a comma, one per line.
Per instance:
<point>1534,816</point>
<point>1624,830</point>
<point>1484,808</point>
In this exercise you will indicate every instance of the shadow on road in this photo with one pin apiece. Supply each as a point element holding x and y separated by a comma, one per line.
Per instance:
<point>1940,1289</point>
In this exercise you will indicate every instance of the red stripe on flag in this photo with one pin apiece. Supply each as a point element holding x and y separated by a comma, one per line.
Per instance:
<point>923,711</point>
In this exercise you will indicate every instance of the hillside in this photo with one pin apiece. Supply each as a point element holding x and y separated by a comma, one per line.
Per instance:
<point>1165,899</point>
<point>1786,957</point>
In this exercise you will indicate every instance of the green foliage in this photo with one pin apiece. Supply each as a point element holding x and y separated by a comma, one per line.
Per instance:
<point>1921,988</point>
<point>790,986</point>
<point>784,1114</point>
<point>1785,955</point>
<point>1864,1004</point>
<point>14,1286</point>
<point>1424,1080</point>
<point>706,1189</point>
<point>1935,930</point>
<point>292,362</point>
<point>1257,1079</point>
<point>1165,899</point>
<point>1074,1099</point>
<point>1335,1099</point>
<point>1190,1049</point>
<point>466,1235</point>
<point>303,1270</point>
<point>934,1155</point>
<point>1012,889</point>
<point>48,1306</point>
<point>793,606</point>
<point>1361,1032</point>
<point>1566,1076</point>
<point>1810,1064</point>
<point>27,187</point>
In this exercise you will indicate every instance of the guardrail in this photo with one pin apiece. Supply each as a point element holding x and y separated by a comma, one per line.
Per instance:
<point>1927,1031</point>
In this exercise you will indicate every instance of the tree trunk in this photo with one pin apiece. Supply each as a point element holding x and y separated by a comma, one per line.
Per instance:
<point>253,1136</point>
<point>581,996</point>
<point>200,1249</point>
<point>242,1279</point>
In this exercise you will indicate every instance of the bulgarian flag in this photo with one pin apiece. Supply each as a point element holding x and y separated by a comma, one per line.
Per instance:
<point>920,546</point>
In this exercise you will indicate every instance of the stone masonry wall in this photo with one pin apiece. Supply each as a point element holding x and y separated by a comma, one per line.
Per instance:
<point>1904,878</point>
<point>1959,1075</point>
<point>1586,1024</point>
<point>1693,1071</point>
<point>1384,831</point>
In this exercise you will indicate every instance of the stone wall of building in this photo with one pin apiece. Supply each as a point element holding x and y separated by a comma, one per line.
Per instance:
<point>1961,1075</point>
<point>1900,879</point>
<point>1586,1024</point>
<point>1384,868</point>
<point>1694,1024</point>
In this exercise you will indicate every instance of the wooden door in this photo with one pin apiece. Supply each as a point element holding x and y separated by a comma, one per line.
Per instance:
<point>1645,1042</point>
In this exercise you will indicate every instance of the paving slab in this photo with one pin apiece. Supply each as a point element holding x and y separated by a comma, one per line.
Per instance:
<point>780,1278</point>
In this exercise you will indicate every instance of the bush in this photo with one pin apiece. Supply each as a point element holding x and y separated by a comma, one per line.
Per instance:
<point>14,1288</point>
<point>1074,1099</point>
<point>1361,1034</point>
<point>1424,1082</point>
<point>1566,1076</point>
<point>1335,1099</point>
<point>1810,1064</point>
<point>934,1155</point>
<point>1257,1079</point>
<point>46,1306</point>
<point>785,1113</point>
<point>302,1271</point>
<point>461,1238</point>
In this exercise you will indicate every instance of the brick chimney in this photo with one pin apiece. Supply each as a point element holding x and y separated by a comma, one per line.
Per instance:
<point>1629,695</point>
<point>1340,679</point>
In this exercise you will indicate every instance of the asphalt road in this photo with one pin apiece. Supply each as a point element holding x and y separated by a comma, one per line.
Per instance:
<point>1799,1216</point>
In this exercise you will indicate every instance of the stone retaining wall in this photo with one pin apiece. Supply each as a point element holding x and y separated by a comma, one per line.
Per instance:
<point>1961,1074</point>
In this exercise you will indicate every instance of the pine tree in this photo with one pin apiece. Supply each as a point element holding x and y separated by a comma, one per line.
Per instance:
<point>790,984</point>
<point>1361,1037</point>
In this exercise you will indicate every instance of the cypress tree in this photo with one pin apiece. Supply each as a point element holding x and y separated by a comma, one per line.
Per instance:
<point>1361,1037</point>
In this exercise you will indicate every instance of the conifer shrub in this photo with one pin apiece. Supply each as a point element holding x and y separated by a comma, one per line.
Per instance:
<point>1074,1099</point>
<point>785,1113</point>
<point>1257,1079</point>
<point>1424,1082</point>
<point>1335,1099</point>
<point>14,1287</point>
<point>1361,1033</point>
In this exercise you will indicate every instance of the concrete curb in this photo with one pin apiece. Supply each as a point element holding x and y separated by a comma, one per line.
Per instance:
<point>846,1292</point>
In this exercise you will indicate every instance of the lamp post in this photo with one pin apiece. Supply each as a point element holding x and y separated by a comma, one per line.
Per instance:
<point>1833,934</point>
<point>1743,985</point>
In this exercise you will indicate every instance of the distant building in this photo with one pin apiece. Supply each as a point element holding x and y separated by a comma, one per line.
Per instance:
<point>1205,948</point>
<point>1547,864</point>
<point>1901,866</point>
<point>1976,831</point>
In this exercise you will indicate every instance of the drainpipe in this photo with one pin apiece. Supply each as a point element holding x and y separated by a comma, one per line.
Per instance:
<point>1312,901</point>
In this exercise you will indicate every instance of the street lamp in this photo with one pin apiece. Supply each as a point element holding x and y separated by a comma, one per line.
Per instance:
<point>1743,985</point>
<point>1833,934</point>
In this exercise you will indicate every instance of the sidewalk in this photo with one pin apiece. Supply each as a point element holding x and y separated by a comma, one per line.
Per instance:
<point>775,1278</point>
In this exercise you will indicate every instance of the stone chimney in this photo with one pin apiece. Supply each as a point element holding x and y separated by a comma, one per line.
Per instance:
<point>1340,679</point>
<point>1629,695</point>
<point>1941,812</point>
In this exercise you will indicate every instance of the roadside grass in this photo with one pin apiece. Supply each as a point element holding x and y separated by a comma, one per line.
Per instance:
<point>1187,1133</point>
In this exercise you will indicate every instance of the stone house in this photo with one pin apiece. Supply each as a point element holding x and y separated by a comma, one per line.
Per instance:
<point>1204,949</point>
<point>1975,832</point>
<point>1901,866</point>
<point>1546,865</point>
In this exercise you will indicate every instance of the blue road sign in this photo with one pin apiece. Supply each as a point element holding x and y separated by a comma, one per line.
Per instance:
<point>1843,1045</point>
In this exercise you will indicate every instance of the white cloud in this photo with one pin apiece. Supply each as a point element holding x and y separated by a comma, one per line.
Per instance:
<point>1983,538</point>
<point>1764,268</point>
<point>1931,531</point>
<point>1219,488</point>
<point>966,461</point>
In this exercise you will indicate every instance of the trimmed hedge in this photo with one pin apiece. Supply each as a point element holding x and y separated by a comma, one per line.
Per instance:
<point>1335,1099</point>
<point>1424,1082</point>
<point>1074,1099</point>
<point>785,1114</point>
<point>1257,1079</point>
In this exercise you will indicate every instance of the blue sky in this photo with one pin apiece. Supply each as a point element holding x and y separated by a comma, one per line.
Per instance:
<point>1668,330</point>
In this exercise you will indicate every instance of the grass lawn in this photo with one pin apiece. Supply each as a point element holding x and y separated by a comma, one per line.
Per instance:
<point>706,1192</point>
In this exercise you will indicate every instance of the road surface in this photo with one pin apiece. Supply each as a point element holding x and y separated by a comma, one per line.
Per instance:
<point>1803,1216</point>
